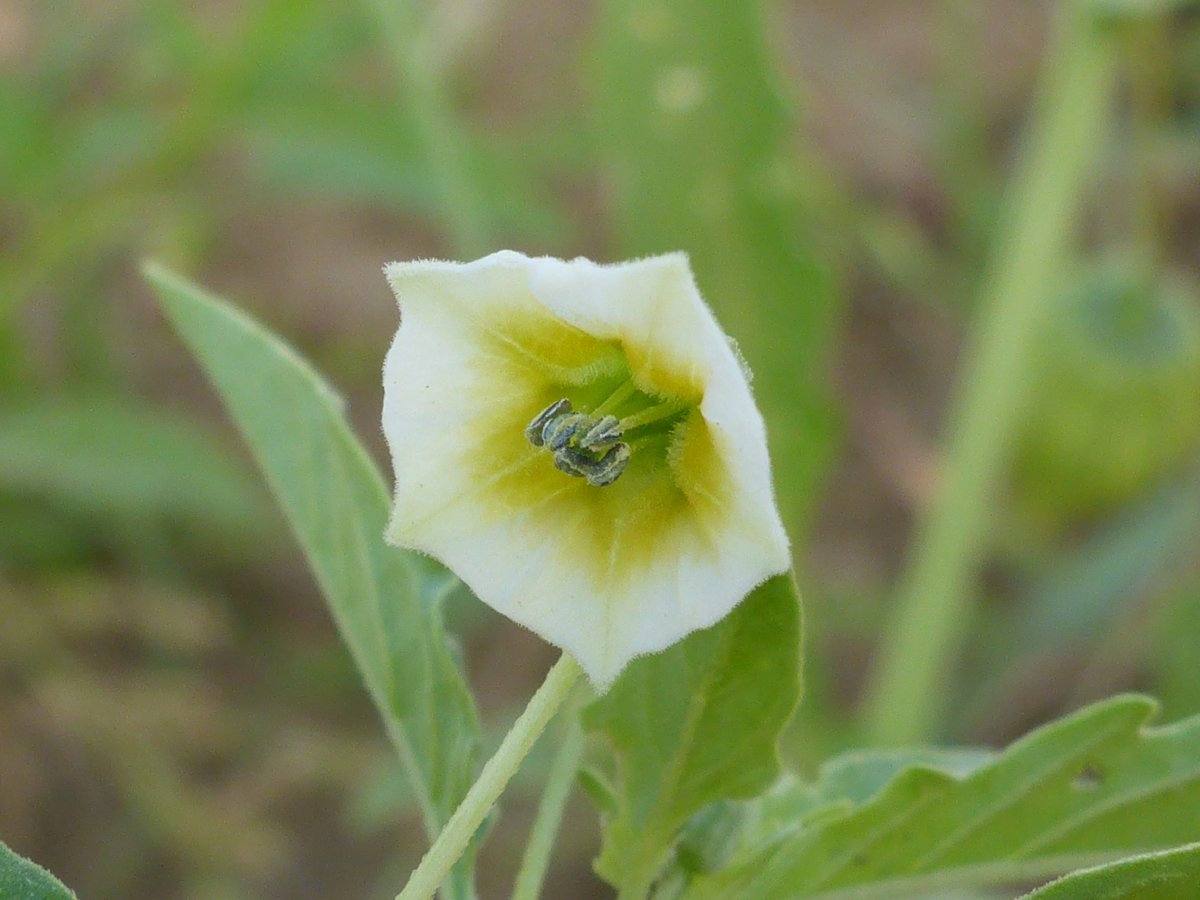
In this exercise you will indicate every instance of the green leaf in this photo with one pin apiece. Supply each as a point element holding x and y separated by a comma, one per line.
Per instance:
<point>855,778</point>
<point>21,879</point>
<point>346,145</point>
<point>695,724</point>
<point>1168,875</point>
<point>385,601</point>
<point>697,142</point>
<point>1089,788</point>
<point>712,836</point>
<point>355,148</point>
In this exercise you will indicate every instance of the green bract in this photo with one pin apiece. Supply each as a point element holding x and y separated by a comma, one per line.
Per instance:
<point>614,523</point>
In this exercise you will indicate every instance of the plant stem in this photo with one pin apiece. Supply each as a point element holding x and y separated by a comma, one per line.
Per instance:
<point>907,695</point>
<point>483,794</point>
<point>443,142</point>
<point>536,859</point>
<point>638,887</point>
<point>1150,102</point>
<point>961,129</point>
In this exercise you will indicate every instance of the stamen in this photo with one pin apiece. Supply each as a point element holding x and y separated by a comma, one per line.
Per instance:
<point>616,398</point>
<point>663,410</point>
<point>573,462</point>
<point>590,445</point>
<point>558,432</point>
<point>602,435</point>
<point>610,466</point>
<point>533,431</point>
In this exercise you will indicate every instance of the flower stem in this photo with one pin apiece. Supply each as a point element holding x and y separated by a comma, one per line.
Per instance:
<point>906,699</point>
<point>482,796</point>
<point>550,810</point>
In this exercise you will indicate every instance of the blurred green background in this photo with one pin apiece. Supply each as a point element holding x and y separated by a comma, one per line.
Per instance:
<point>177,716</point>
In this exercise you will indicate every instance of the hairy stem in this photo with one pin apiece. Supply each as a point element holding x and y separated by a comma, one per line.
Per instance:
<point>536,859</point>
<point>482,796</point>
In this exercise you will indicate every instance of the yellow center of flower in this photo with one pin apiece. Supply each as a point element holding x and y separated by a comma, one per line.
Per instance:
<point>597,446</point>
<point>674,489</point>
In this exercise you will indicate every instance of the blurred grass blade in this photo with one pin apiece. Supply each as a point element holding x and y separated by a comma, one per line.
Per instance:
<point>1089,788</point>
<point>1079,595</point>
<point>697,142</point>
<point>694,724</point>
<point>1152,876</point>
<point>110,454</point>
<point>443,137</point>
<point>357,149</point>
<point>337,505</point>
<point>1175,659</point>
<point>21,879</point>
<point>907,697</point>
<point>1094,589</point>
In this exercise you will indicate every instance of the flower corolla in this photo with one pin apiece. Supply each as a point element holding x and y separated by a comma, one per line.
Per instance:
<point>579,444</point>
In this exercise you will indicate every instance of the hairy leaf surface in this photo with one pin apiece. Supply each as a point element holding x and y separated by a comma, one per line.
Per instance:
<point>21,879</point>
<point>695,724</point>
<point>1167,875</point>
<point>1089,788</point>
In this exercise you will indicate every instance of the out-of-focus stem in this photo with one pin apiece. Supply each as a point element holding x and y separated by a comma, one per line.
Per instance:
<point>421,82</point>
<point>1150,108</point>
<point>961,125</point>
<point>934,604</point>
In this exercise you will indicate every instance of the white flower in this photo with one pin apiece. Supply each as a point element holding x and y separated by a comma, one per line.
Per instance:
<point>579,444</point>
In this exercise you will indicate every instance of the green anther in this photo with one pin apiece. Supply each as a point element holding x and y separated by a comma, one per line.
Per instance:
<point>533,431</point>
<point>610,466</point>
<point>560,431</point>
<point>573,462</point>
<point>602,435</point>
<point>590,445</point>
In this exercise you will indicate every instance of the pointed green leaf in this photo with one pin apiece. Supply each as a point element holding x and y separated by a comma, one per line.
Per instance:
<point>1168,875</point>
<point>1089,788</point>
<point>699,150</point>
<point>712,836</point>
<point>695,724</point>
<point>384,600</point>
<point>21,879</point>
<point>853,779</point>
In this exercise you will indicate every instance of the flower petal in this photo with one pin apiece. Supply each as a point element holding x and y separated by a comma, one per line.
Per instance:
<point>606,573</point>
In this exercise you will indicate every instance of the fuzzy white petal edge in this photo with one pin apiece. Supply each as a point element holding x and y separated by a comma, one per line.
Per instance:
<point>521,567</point>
